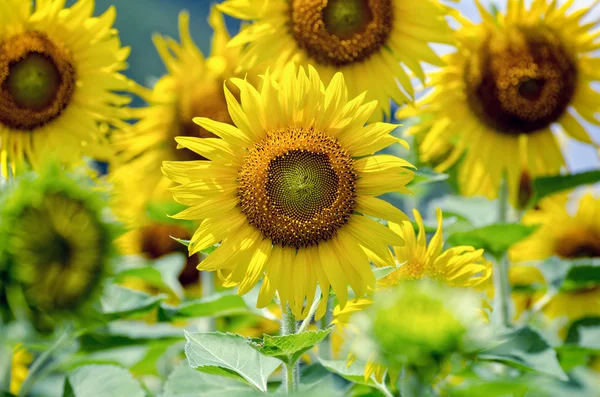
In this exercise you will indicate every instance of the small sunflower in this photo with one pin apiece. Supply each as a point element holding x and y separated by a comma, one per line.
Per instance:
<point>56,245</point>
<point>192,87</point>
<point>577,236</point>
<point>367,40</point>
<point>285,190</point>
<point>513,79</point>
<point>59,68</point>
<point>20,361</point>
<point>462,266</point>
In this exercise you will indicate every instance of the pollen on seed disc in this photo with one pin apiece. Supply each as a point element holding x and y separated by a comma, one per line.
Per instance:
<point>522,81</point>
<point>297,187</point>
<point>37,80</point>
<point>341,32</point>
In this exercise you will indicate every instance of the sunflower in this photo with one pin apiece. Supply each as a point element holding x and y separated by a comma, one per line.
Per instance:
<point>20,361</point>
<point>285,190</point>
<point>192,87</point>
<point>59,68</point>
<point>367,40</point>
<point>513,79</point>
<point>55,243</point>
<point>577,237</point>
<point>462,266</point>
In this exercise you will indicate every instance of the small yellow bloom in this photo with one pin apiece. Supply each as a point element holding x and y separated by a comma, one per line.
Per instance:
<point>21,359</point>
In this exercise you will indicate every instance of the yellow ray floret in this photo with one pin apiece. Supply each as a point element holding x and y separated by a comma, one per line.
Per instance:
<point>285,189</point>
<point>514,78</point>
<point>59,71</point>
<point>368,41</point>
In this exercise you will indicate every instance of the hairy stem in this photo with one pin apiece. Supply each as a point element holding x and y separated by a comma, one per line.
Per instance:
<point>289,326</point>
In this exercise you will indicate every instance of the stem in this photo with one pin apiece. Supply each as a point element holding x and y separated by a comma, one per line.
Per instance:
<point>501,279</point>
<point>289,326</point>
<point>207,282</point>
<point>41,361</point>
<point>382,387</point>
<point>412,384</point>
<point>325,345</point>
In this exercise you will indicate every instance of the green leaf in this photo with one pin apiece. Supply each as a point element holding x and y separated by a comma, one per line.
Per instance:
<point>5,366</point>
<point>495,239</point>
<point>545,186</point>
<point>101,381</point>
<point>571,274</point>
<point>354,372</point>
<point>163,274</point>
<point>289,348</point>
<point>217,305</point>
<point>427,175</point>
<point>181,241</point>
<point>119,302</point>
<point>187,382</point>
<point>526,349</point>
<point>230,356</point>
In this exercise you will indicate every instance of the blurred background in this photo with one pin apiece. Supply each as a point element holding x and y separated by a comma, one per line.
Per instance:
<point>137,20</point>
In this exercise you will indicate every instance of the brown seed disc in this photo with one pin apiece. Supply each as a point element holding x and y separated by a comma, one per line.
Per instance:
<point>521,83</point>
<point>37,80</point>
<point>580,243</point>
<point>341,32</point>
<point>298,187</point>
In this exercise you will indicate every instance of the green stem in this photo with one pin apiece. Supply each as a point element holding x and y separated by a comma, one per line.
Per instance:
<point>382,387</point>
<point>413,384</point>
<point>289,326</point>
<point>207,282</point>
<point>41,361</point>
<point>325,345</point>
<point>501,279</point>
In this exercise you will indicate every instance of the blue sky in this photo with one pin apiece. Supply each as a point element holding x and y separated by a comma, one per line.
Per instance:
<point>138,19</point>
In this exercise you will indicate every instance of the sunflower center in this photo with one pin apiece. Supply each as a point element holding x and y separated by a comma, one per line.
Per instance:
<point>207,100</point>
<point>59,247</point>
<point>581,243</point>
<point>297,187</point>
<point>522,82</point>
<point>341,32</point>
<point>37,81</point>
<point>156,242</point>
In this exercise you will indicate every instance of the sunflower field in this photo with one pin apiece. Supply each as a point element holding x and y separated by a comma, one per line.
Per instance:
<point>310,198</point>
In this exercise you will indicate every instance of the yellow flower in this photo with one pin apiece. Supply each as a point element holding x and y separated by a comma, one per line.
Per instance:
<point>568,236</point>
<point>366,40</point>
<point>192,87</point>
<point>59,68</point>
<point>462,266</point>
<point>285,190</point>
<point>513,78</point>
<point>21,359</point>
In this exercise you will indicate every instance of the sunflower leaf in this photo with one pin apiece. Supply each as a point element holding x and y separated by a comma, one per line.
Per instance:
<point>526,349</point>
<point>545,186</point>
<point>187,382</point>
<point>571,274</point>
<point>426,175</point>
<point>101,381</point>
<point>120,302</point>
<point>229,355</point>
<point>495,239</point>
<point>354,372</point>
<point>218,305</point>
<point>289,348</point>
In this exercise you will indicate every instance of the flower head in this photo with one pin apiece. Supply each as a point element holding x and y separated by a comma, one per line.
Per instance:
<point>284,191</point>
